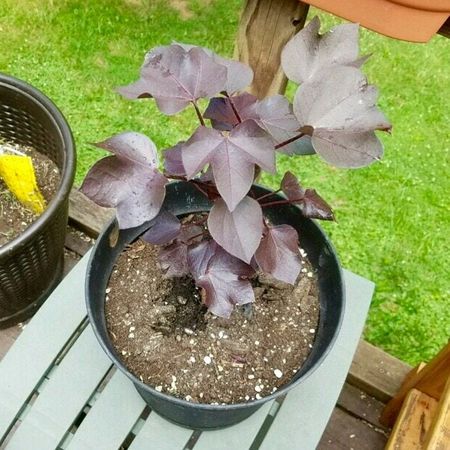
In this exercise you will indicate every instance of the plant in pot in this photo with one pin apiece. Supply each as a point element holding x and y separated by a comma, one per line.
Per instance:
<point>211,293</point>
<point>34,137</point>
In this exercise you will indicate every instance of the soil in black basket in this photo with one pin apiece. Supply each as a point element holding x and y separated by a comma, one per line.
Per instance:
<point>167,339</point>
<point>16,218</point>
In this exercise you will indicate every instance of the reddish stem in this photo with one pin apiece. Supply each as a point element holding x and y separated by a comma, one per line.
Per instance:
<point>199,114</point>
<point>289,141</point>
<point>281,202</point>
<point>268,195</point>
<point>233,107</point>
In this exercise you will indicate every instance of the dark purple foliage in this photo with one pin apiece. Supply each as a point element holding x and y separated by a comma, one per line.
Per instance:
<point>223,277</point>
<point>334,114</point>
<point>165,228</point>
<point>232,157</point>
<point>310,202</point>
<point>308,54</point>
<point>278,253</point>
<point>238,231</point>
<point>128,181</point>
<point>173,162</point>
<point>176,77</point>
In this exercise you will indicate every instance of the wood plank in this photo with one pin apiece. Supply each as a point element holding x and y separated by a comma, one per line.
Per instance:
<point>312,402</point>
<point>264,29</point>
<point>345,432</point>
<point>111,418</point>
<point>36,348</point>
<point>158,433</point>
<point>429,380</point>
<point>413,422</point>
<point>361,405</point>
<point>239,436</point>
<point>86,215</point>
<point>438,437</point>
<point>63,397</point>
<point>70,261</point>
<point>77,242</point>
<point>376,372</point>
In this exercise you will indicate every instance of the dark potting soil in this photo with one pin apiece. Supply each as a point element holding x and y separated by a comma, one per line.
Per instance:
<point>14,217</point>
<point>167,339</point>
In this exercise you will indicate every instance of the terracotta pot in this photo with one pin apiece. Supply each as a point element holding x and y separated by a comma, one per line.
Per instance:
<point>410,20</point>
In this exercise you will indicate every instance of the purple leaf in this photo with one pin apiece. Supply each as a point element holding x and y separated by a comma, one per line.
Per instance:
<point>221,113</point>
<point>273,114</point>
<point>238,232</point>
<point>164,229</point>
<point>340,114</point>
<point>173,162</point>
<point>199,257</point>
<point>239,75</point>
<point>176,77</point>
<point>308,54</point>
<point>311,203</point>
<point>133,146</point>
<point>190,233</point>
<point>315,207</point>
<point>173,259</point>
<point>232,158</point>
<point>222,276</point>
<point>278,253</point>
<point>127,181</point>
<point>291,186</point>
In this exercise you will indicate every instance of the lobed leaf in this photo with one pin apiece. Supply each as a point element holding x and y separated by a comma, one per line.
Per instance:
<point>127,181</point>
<point>176,77</point>
<point>340,114</point>
<point>239,75</point>
<point>173,259</point>
<point>165,228</point>
<point>273,114</point>
<point>278,253</point>
<point>232,158</point>
<point>310,202</point>
<point>239,231</point>
<point>173,161</point>
<point>309,55</point>
<point>223,277</point>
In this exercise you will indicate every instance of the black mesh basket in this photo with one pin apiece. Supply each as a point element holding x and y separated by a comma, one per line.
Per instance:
<point>31,265</point>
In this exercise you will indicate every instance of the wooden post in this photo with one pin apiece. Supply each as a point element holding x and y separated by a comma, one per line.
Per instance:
<point>264,29</point>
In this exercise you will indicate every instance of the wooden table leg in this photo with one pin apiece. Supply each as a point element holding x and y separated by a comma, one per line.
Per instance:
<point>264,29</point>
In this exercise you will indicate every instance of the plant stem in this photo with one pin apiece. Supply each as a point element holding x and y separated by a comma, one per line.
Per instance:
<point>268,195</point>
<point>200,189</point>
<point>199,114</point>
<point>233,107</point>
<point>289,141</point>
<point>281,202</point>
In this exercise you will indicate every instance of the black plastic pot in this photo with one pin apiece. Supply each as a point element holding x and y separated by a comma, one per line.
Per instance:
<point>182,198</point>
<point>31,265</point>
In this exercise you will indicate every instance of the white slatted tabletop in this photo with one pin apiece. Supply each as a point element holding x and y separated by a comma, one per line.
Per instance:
<point>59,391</point>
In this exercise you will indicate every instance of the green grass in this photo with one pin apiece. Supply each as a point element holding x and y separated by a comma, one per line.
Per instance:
<point>393,217</point>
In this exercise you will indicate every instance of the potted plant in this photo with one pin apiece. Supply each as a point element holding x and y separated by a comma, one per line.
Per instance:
<point>31,262</point>
<point>182,322</point>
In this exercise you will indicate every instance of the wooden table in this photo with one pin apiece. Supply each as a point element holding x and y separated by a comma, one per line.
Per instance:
<point>58,389</point>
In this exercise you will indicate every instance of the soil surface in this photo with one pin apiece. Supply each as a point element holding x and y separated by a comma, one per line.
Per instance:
<point>168,340</point>
<point>14,217</point>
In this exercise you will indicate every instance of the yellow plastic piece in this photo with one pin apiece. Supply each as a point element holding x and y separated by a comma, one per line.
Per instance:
<point>18,174</point>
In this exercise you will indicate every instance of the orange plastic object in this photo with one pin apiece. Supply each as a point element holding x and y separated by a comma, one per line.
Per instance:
<point>409,20</point>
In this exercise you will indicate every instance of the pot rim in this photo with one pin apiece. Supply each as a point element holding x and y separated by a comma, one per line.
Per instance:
<point>68,172</point>
<point>207,406</point>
